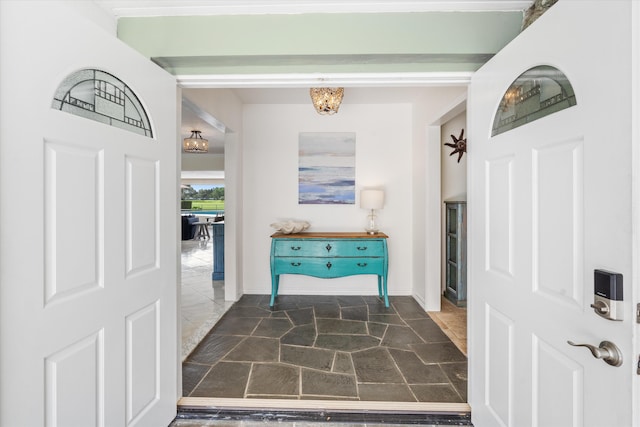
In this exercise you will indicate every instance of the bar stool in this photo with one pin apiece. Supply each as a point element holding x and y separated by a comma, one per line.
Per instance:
<point>202,230</point>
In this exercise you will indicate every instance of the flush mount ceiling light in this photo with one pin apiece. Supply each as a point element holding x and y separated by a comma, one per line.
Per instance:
<point>195,143</point>
<point>326,100</point>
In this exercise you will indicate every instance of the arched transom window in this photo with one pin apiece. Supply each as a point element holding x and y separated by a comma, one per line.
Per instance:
<point>100,96</point>
<point>536,93</point>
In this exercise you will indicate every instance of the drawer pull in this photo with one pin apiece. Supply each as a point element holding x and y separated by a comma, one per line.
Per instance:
<point>295,248</point>
<point>296,264</point>
<point>361,264</point>
<point>328,247</point>
<point>361,248</point>
<point>329,265</point>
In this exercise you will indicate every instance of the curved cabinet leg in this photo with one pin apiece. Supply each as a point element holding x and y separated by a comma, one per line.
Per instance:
<point>382,289</point>
<point>275,282</point>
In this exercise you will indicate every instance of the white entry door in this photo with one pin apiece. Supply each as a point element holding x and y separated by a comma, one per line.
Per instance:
<point>550,202</point>
<point>88,221</point>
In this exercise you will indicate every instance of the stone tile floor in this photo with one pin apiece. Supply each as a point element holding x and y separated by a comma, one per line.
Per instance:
<point>327,347</point>
<point>202,300</point>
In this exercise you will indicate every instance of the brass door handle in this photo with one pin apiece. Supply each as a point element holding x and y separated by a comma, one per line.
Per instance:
<point>607,351</point>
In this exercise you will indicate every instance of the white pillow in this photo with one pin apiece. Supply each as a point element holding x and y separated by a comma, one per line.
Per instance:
<point>290,226</point>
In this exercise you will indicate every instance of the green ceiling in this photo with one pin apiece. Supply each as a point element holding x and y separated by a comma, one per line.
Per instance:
<point>321,43</point>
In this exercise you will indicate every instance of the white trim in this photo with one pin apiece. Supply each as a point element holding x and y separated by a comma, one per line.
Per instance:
<point>635,196</point>
<point>317,80</point>
<point>142,8</point>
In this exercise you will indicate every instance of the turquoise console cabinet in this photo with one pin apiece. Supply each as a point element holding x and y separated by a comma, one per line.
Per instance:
<point>329,255</point>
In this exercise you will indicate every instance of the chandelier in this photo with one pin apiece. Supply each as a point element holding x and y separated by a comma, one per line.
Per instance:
<point>195,143</point>
<point>326,100</point>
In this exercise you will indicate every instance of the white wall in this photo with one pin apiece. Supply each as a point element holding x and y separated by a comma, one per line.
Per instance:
<point>202,162</point>
<point>438,106</point>
<point>453,176</point>
<point>225,106</point>
<point>383,158</point>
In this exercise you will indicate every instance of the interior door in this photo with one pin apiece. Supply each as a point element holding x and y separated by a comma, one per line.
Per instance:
<point>550,202</point>
<point>88,333</point>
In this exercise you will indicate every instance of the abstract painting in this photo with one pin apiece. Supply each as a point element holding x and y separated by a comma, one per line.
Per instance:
<point>326,168</point>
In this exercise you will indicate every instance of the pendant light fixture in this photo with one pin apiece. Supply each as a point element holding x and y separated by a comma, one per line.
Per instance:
<point>326,100</point>
<point>195,143</point>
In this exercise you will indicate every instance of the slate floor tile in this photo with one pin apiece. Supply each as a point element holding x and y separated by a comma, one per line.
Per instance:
<point>457,374</point>
<point>340,326</point>
<point>252,300</point>
<point>428,330</point>
<point>386,392</point>
<point>416,372</point>
<point>400,337</point>
<point>226,379</point>
<point>312,300</point>
<point>331,310</point>
<point>274,379</point>
<point>350,300</point>
<point>236,325</point>
<point>379,308</point>
<point>328,384</point>
<point>279,315</point>
<point>192,373</point>
<point>346,342</point>
<point>377,329</point>
<point>359,312</point>
<point>247,311</point>
<point>255,349</point>
<point>273,328</point>
<point>342,363</point>
<point>284,302</point>
<point>435,393</point>
<point>409,309</point>
<point>439,352</point>
<point>301,316</point>
<point>300,335</point>
<point>375,366</point>
<point>213,348</point>
<point>306,356</point>
<point>391,319</point>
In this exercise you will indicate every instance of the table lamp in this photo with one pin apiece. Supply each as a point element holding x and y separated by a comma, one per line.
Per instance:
<point>372,199</point>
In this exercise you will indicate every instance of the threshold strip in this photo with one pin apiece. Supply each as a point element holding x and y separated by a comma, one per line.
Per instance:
<point>281,410</point>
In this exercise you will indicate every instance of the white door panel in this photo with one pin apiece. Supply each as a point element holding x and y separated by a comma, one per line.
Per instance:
<point>550,202</point>
<point>88,251</point>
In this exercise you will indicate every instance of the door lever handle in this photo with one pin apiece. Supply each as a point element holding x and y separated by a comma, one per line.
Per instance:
<point>607,351</point>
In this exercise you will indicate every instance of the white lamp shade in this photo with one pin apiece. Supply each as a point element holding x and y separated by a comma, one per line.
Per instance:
<point>371,199</point>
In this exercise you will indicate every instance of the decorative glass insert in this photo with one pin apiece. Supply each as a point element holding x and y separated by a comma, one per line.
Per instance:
<point>100,96</point>
<point>536,93</point>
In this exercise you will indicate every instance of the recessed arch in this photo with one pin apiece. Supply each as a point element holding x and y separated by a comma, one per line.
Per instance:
<point>536,93</point>
<point>100,96</point>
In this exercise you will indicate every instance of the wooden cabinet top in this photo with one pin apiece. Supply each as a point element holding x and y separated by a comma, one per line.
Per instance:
<point>330,235</point>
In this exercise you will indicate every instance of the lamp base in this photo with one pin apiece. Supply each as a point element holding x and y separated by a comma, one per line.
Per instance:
<point>372,227</point>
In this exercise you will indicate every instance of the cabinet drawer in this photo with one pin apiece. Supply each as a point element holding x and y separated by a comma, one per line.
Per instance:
<point>329,248</point>
<point>328,267</point>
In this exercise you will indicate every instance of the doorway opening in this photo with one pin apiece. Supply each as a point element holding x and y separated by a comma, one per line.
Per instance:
<point>387,327</point>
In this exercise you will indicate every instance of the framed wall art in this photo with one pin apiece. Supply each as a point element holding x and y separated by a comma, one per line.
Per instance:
<point>326,168</point>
